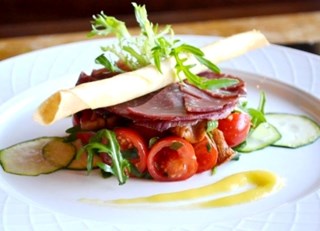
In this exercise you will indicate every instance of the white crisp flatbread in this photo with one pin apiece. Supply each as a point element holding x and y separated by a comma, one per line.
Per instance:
<point>130,85</point>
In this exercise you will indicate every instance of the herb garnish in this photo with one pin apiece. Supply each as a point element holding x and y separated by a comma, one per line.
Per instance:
<point>151,46</point>
<point>257,114</point>
<point>105,141</point>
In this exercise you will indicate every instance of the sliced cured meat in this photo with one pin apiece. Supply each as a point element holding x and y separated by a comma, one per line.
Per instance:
<point>235,90</point>
<point>196,100</point>
<point>181,104</point>
<point>123,108</point>
<point>162,125</point>
<point>167,104</point>
<point>95,75</point>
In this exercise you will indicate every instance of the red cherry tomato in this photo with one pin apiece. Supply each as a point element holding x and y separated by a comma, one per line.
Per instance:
<point>172,159</point>
<point>85,136</point>
<point>130,140</point>
<point>207,155</point>
<point>235,128</point>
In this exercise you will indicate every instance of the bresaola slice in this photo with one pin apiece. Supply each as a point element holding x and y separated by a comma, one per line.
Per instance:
<point>181,104</point>
<point>201,101</point>
<point>202,105</point>
<point>162,125</point>
<point>167,104</point>
<point>235,90</point>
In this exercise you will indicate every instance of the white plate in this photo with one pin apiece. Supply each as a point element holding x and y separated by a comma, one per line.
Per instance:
<point>52,201</point>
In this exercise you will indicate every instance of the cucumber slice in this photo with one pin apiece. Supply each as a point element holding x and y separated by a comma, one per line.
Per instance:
<point>59,153</point>
<point>262,136</point>
<point>35,157</point>
<point>296,130</point>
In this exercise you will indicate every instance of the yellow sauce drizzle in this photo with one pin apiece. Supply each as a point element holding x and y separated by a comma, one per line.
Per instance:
<point>263,182</point>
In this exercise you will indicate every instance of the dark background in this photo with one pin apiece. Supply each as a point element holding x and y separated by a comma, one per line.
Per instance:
<point>32,17</point>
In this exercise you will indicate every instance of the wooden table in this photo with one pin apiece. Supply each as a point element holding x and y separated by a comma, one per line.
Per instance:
<point>288,28</point>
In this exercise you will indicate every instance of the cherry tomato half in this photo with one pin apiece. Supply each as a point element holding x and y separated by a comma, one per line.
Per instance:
<point>134,145</point>
<point>206,153</point>
<point>172,159</point>
<point>235,128</point>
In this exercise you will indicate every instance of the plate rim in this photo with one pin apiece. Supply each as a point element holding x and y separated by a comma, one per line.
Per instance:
<point>205,36</point>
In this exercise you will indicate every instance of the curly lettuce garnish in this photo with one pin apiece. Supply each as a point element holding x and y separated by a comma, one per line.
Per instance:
<point>134,51</point>
<point>151,46</point>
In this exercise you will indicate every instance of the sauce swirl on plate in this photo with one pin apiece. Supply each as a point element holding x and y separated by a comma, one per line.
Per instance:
<point>240,188</point>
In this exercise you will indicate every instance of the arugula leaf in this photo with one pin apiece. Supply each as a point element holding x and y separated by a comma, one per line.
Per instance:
<point>262,102</point>
<point>105,142</point>
<point>214,84</point>
<point>257,114</point>
<point>72,131</point>
<point>213,67</point>
<point>201,82</point>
